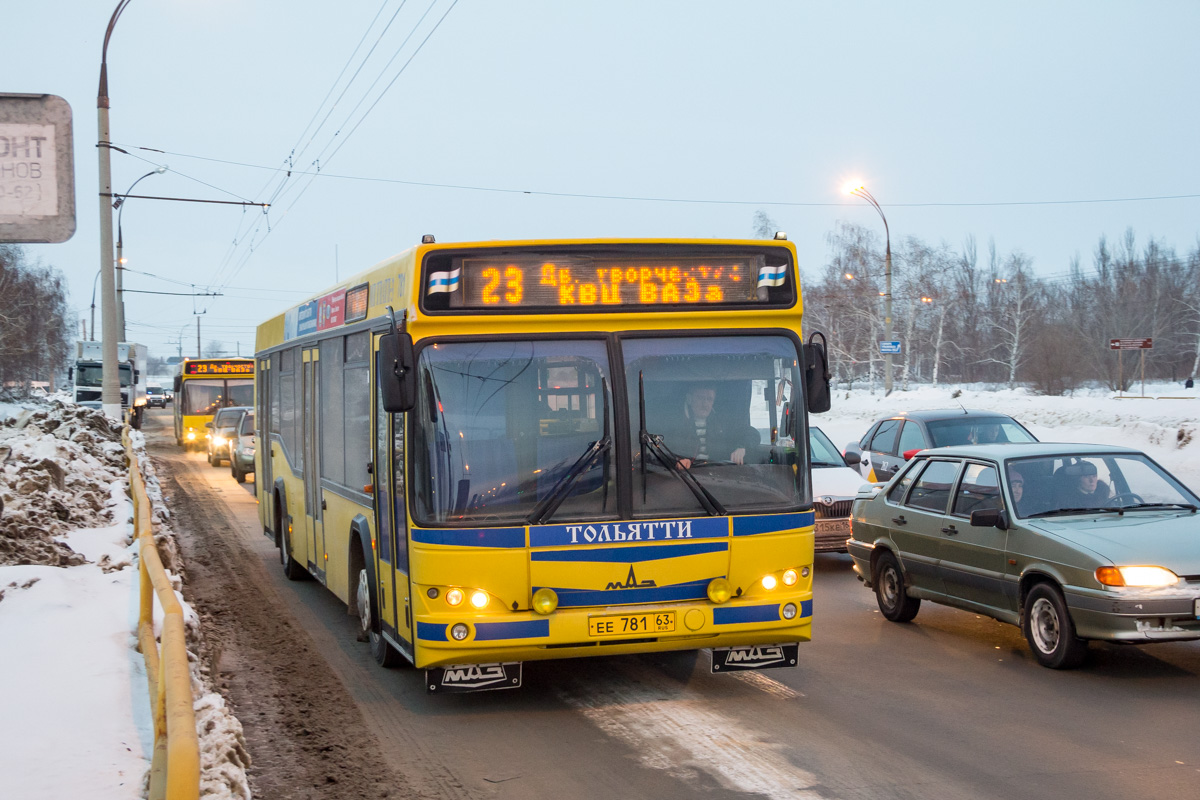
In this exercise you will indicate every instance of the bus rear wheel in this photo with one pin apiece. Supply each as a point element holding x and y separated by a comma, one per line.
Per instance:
<point>291,570</point>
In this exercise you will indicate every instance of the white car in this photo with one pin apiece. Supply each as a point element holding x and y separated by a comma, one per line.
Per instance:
<point>834,485</point>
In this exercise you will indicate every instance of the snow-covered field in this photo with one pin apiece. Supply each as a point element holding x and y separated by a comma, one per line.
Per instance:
<point>74,715</point>
<point>1164,429</point>
<point>75,718</point>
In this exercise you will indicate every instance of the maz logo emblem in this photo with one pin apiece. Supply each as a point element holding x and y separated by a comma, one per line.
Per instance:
<point>631,582</point>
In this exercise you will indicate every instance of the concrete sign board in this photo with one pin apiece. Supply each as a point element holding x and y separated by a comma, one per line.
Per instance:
<point>37,169</point>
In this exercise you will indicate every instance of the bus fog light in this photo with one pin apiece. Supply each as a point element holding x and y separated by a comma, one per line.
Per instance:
<point>545,601</point>
<point>191,436</point>
<point>769,582</point>
<point>432,593</point>
<point>459,631</point>
<point>479,598</point>
<point>719,590</point>
<point>790,576</point>
<point>789,611</point>
<point>454,597</point>
<point>804,572</point>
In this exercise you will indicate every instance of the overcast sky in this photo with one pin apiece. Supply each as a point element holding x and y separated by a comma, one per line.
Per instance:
<point>545,118</point>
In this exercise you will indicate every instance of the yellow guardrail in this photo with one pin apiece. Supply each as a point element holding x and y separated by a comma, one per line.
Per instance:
<point>175,763</point>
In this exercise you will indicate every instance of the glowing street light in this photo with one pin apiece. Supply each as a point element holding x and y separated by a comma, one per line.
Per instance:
<point>857,189</point>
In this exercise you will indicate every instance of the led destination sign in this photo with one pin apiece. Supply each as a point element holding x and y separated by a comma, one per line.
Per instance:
<point>563,282</point>
<point>218,368</point>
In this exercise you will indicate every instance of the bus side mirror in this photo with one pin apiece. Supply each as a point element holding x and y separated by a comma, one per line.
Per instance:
<point>395,370</point>
<point>816,375</point>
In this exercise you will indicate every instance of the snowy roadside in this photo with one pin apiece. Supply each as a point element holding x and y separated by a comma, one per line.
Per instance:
<point>1166,430</point>
<point>75,719</point>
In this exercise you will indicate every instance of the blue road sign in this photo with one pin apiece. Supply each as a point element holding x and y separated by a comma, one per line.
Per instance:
<point>889,347</point>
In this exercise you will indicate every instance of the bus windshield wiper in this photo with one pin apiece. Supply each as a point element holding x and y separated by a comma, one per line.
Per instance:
<point>550,503</point>
<point>544,510</point>
<point>654,442</point>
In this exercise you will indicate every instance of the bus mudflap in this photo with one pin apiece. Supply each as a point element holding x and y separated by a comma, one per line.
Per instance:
<point>755,656</point>
<point>473,677</point>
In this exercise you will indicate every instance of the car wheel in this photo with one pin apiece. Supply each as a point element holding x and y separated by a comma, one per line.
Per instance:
<point>1049,630</point>
<point>890,592</point>
<point>211,461</point>
<point>237,474</point>
<point>384,654</point>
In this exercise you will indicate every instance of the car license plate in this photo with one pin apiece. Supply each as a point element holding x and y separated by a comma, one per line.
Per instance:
<point>833,526</point>
<point>630,624</point>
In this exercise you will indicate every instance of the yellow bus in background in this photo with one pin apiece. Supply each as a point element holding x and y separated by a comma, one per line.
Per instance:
<point>203,385</point>
<point>477,447</point>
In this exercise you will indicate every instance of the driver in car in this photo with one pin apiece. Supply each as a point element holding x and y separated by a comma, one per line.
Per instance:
<point>1085,487</point>
<point>700,436</point>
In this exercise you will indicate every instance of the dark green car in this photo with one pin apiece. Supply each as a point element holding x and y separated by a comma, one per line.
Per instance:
<point>1071,542</point>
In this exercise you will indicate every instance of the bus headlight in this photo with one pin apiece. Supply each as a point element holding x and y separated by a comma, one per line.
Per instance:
<point>191,436</point>
<point>454,597</point>
<point>719,590</point>
<point>459,631</point>
<point>545,601</point>
<point>479,598</point>
<point>769,582</point>
<point>790,576</point>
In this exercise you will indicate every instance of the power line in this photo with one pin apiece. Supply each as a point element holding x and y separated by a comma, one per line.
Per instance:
<point>691,200</point>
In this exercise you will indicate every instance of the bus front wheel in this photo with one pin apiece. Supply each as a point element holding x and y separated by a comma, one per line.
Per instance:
<point>369,630</point>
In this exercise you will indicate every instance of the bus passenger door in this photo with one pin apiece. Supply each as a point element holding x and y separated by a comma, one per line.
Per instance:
<point>313,516</point>
<point>263,424</point>
<point>392,524</point>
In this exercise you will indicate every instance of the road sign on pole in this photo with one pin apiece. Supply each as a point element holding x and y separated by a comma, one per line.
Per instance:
<point>37,173</point>
<point>1121,345</point>
<point>1130,344</point>
<point>892,348</point>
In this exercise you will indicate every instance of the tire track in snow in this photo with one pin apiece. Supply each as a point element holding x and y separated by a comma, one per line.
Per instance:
<point>676,730</point>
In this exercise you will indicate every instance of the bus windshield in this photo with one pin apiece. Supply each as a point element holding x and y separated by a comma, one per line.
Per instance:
<point>500,424</point>
<point>204,396</point>
<point>508,430</point>
<point>714,424</point>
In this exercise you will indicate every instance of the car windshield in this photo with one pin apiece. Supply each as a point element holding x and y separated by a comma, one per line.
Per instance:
<point>977,430</point>
<point>824,452</point>
<point>1083,483</point>
<point>714,423</point>
<point>247,427</point>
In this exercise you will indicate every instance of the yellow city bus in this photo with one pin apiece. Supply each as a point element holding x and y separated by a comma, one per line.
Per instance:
<point>202,385</point>
<point>480,448</point>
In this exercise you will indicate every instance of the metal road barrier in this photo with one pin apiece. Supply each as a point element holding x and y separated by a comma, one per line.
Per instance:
<point>175,764</point>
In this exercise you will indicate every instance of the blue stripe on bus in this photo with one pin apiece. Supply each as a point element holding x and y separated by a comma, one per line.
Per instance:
<point>521,629</point>
<point>470,537</point>
<point>657,530</point>
<point>631,555</point>
<point>767,613</point>
<point>431,632</point>
<point>575,598</point>
<point>771,523</point>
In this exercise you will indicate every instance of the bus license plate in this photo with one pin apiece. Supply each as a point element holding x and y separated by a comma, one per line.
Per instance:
<point>630,624</point>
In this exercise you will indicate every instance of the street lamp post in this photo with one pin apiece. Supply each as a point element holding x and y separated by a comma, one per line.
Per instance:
<point>861,191</point>
<point>110,385</point>
<point>119,204</point>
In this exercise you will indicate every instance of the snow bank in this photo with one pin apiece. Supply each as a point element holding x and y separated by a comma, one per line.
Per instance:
<point>69,596</point>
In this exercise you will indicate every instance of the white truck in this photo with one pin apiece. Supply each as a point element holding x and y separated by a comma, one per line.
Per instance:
<point>89,369</point>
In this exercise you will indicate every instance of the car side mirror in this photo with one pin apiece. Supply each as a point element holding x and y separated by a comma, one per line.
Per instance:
<point>989,518</point>
<point>208,424</point>
<point>853,458</point>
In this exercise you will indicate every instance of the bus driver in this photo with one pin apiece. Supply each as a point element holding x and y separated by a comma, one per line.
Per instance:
<point>700,436</point>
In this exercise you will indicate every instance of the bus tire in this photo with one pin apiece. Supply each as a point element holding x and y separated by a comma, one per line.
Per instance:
<point>369,628</point>
<point>291,569</point>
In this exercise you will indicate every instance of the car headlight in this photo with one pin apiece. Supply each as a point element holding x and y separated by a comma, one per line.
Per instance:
<point>1146,577</point>
<point>219,440</point>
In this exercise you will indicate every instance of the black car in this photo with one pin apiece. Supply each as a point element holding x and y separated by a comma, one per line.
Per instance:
<point>893,440</point>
